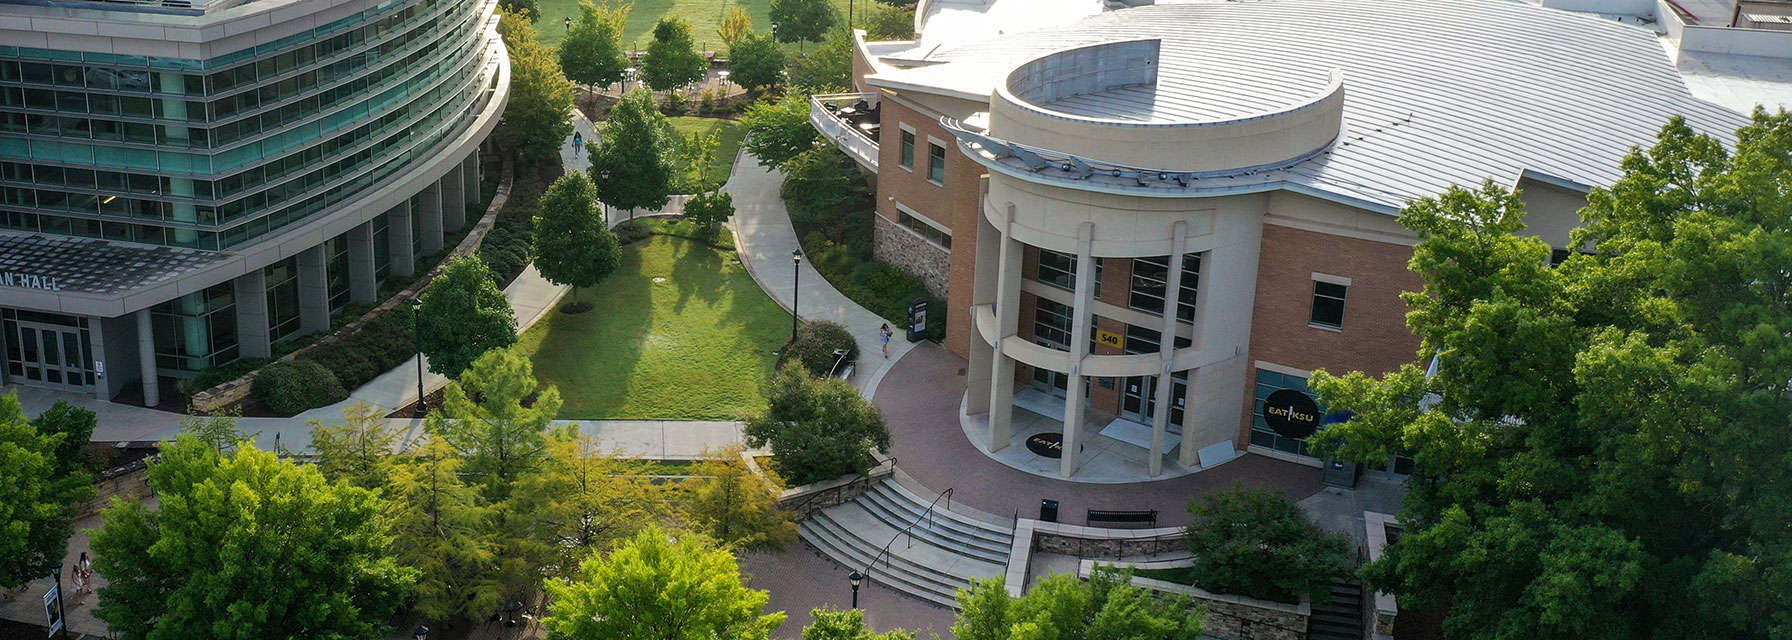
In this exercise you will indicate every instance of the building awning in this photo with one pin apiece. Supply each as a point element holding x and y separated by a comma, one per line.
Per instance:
<point>88,265</point>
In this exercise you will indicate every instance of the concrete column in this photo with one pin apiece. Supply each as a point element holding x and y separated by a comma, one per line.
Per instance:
<point>1006,307</point>
<point>362,284</point>
<point>1166,349</point>
<point>250,291</point>
<point>314,291</point>
<point>398,237</point>
<point>146,359</point>
<point>454,201</point>
<point>470,183</point>
<point>429,212</point>
<point>96,349</point>
<point>1082,317</point>
<point>979,369</point>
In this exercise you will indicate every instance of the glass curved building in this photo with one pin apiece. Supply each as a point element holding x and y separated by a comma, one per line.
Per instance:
<point>184,183</point>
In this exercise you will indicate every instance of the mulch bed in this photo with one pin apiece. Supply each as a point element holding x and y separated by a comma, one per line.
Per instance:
<point>574,308</point>
<point>410,410</point>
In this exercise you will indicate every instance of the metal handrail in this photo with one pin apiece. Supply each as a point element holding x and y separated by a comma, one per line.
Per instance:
<point>883,554</point>
<point>863,477</point>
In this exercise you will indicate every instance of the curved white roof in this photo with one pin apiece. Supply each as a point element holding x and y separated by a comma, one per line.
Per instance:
<point>1438,92</point>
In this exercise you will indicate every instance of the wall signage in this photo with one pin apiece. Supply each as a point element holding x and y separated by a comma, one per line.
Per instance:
<point>1049,445</point>
<point>29,281</point>
<point>1291,414</point>
<point>1109,338</point>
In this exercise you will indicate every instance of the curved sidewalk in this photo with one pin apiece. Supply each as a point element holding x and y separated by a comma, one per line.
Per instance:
<point>765,238</point>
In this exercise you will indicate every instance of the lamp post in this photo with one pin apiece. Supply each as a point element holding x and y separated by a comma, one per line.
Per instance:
<point>856,577</point>
<point>417,338</point>
<point>420,633</point>
<point>796,288</point>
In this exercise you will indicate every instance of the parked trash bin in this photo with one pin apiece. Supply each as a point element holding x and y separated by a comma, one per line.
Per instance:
<point>1048,510</point>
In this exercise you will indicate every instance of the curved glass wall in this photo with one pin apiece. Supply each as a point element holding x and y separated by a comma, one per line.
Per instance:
<point>213,154</point>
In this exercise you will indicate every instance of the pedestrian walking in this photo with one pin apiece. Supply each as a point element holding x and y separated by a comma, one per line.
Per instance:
<point>578,143</point>
<point>80,580</point>
<point>883,335</point>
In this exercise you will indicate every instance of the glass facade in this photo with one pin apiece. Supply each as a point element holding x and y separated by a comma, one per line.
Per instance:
<point>336,271</point>
<point>1150,276</point>
<point>213,154</point>
<point>195,331</point>
<point>282,293</point>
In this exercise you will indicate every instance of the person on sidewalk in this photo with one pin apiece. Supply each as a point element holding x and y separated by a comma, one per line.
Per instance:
<point>883,335</point>
<point>80,580</point>
<point>578,143</point>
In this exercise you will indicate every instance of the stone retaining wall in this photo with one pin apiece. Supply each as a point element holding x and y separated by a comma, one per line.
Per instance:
<point>236,390</point>
<point>900,247</point>
<point>1228,616</point>
<point>129,481</point>
<point>810,498</point>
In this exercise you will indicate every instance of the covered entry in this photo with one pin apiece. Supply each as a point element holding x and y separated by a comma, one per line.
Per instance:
<point>48,350</point>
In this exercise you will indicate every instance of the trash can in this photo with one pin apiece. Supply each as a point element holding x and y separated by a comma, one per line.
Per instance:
<point>1048,510</point>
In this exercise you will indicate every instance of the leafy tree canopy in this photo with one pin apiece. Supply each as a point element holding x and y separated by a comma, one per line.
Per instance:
<point>755,62</point>
<point>631,166</point>
<point>883,21</point>
<point>496,417</point>
<point>464,315</point>
<point>653,587</point>
<point>672,60</point>
<point>818,428</point>
<point>802,20</point>
<point>443,529</point>
<point>738,508</point>
<point>1602,450</point>
<point>779,130</point>
<point>40,479</point>
<point>821,185</point>
<point>573,245</point>
<point>592,52</point>
<point>827,69</point>
<point>246,546</point>
<point>525,8</point>
<point>736,26</point>
<point>1260,544</point>
<point>583,498</point>
<point>538,118</point>
<point>357,450</point>
<point>1105,607</point>
<point>834,624</point>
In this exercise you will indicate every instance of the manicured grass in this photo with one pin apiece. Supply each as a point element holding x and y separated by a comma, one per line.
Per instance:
<point>704,16</point>
<point>697,346</point>
<point>722,164</point>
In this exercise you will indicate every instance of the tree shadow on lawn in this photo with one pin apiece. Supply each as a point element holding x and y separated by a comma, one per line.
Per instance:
<point>697,271</point>
<point>588,353</point>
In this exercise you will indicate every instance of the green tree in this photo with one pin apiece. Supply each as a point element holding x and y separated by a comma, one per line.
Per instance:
<point>584,498</point>
<point>41,478</point>
<point>630,166</point>
<point>1260,544</point>
<point>442,528</point>
<point>738,508</point>
<point>573,245</point>
<point>828,68</point>
<point>802,20</point>
<point>710,209</point>
<point>821,185</point>
<point>515,28</point>
<point>883,21</point>
<point>672,60</point>
<point>525,8</point>
<point>735,28</point>
<point>818,428</point>
<point>655,588</point>
<point>489,425</point>
<point>834,624</point>
<point>592,52</point>
<point>217,431</point>
<point>246,546</point>
<point>357,450</point>
<point>463,316</point>
<point>1105,607</point>
<point>1602,448</point>
<point>538,117</point>
<point>779,130</point>
<point>756,62</point>
<point>691,159</point>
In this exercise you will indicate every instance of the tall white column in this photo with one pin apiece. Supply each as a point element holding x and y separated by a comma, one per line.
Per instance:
<point>398,239</point>
<point>428,210</point>
<point>363,284</point>
<point>1166,349</point>
<point>314,291</point>
<point>979,370</point>
<point>471,187</point>
<point>1006,307</point>
<point>1082,317</point>
<point>454,201</point>
<point>251,314</point>
<point>146,359</point>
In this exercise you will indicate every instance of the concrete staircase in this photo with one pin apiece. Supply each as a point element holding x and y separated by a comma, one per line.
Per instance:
<point>1340,618</point>
<point>931,561</point>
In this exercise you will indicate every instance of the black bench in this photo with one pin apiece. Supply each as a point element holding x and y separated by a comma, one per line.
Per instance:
<point>1147,518</point>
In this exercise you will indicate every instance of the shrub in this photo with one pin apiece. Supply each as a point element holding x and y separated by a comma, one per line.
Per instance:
<point>817,428</point>
<point>357,358</point>
<point>1260,544</point>
<point>675,104</point>
<point>213,376</point>
<point>821,186</point>
<point>506,247</point>
<point>297,385</point>
<point>815,345</point>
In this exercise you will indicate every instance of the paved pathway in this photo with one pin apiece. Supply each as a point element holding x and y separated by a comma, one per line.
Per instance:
<point>765,238</point>
<point>801,579</point>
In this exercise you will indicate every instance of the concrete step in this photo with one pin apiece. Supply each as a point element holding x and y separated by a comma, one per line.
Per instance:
<point>853,535</point>
<point>1341,617</point>
<point>970,520</point>
<point>941,529</point>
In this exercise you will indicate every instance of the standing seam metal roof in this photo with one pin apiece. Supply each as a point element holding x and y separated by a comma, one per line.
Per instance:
<point>1492,87</point>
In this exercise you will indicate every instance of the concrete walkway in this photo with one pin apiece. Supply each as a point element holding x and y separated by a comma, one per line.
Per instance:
<point>765,238</point>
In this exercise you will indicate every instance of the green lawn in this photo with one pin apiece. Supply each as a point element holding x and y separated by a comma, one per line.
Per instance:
<point>722,165</point>
<point>704,16</point>
<point>696,346</point>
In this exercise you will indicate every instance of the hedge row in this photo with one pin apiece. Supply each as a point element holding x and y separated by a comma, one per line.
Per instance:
<point>879,287</point>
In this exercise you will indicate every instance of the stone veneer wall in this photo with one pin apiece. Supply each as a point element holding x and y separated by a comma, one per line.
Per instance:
<point>1228,616</point>
<point>809,498</point>
<point>900,247</point>
<point>126,482</point>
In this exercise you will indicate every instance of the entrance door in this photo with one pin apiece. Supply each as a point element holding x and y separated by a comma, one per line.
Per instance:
<point>1052,382</point>
<point>49,356</point>
<point>1138,401</point>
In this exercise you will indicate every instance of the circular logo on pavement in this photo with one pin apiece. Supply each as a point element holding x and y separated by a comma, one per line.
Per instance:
<point>1050,445</point>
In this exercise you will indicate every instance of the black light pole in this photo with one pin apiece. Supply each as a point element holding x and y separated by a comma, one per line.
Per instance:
<point>855,578</point>
<point>417,335</point>
<point>796,288</point>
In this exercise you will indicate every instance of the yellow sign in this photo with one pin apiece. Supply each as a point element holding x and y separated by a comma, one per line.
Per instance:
<point>1111,339</point>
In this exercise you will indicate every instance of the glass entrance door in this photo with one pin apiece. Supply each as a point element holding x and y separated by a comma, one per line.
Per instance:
<point>1138,399</point>
<point>1053,382</point>
<point>48,355</point>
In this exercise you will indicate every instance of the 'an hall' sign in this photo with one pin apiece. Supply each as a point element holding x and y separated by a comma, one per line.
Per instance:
<point>29,281</point>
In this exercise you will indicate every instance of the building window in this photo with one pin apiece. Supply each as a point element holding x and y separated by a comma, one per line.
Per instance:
<point>1051,324</point>
<point>927,231</point>
<point>1149,278</point>
<point>336,271</point>
<point>936,163</point>
<point>908,149</point>
<point>1269,382</point>
<point>1328,304</point>
<point>197,330</point>
<point>1057,269</point>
